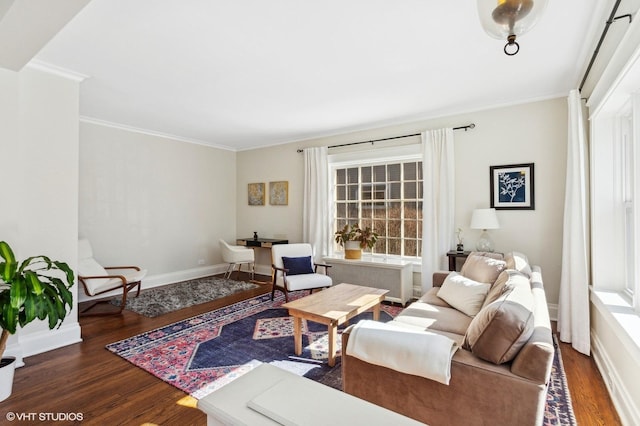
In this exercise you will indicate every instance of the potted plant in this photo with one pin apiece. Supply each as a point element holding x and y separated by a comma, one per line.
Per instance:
<point>29,290</point>
<point>355,239</point>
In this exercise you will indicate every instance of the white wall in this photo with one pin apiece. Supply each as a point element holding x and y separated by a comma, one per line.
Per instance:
<point>39,215</point>
<point>155,202</point>
<point>528,133</point>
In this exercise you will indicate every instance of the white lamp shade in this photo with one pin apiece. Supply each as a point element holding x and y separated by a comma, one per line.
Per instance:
<point>484,219</point>
<point>501,18</point>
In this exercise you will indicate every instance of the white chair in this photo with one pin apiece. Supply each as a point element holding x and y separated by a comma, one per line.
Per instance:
<point>237,255</point>
<point>96,280</point>
<point>293,269</point>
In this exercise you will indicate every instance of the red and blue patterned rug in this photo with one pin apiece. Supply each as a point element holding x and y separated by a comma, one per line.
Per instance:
<point>200,354</point>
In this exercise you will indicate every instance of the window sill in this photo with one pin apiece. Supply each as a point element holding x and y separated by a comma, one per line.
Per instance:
<point>619,312</point>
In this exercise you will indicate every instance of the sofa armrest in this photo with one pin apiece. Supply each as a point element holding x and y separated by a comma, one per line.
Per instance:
<point>439,277</point>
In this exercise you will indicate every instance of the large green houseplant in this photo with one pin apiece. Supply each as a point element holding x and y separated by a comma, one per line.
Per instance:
<point>36,288</point>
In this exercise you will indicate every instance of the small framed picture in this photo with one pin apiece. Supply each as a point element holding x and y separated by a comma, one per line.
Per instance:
<point>256,194</point>
<point>512,187</point>
<point>279,193</point>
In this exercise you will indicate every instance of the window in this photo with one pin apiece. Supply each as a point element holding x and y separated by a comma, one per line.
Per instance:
<point>386,196</point>
<point>627,176</point>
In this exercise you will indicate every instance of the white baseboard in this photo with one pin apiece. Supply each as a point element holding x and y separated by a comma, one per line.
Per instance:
<point>37,342</point>
<point>553,311</point>
<point>626,407</point>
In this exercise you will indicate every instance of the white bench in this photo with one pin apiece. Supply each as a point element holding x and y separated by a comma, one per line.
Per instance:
<point>269,395</point>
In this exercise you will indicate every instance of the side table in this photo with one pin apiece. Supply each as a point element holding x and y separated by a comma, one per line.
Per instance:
<point>453,256</point>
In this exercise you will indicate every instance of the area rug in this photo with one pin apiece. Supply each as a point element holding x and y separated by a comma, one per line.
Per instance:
<point>203,353</point>
<point>162,300</point>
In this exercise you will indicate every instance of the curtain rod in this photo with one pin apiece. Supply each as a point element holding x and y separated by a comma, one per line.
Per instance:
<point>465,128</point>
<point>612,18</point>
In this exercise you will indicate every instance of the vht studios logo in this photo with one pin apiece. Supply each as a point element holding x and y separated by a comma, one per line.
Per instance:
<point>44,417</point>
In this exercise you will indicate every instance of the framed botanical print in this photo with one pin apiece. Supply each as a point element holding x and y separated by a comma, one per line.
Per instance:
<point>512,187</point>
<point>256,194</point>
<point>279,193</point>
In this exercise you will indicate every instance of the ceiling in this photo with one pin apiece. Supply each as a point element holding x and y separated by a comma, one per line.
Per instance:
<point>249,73</point>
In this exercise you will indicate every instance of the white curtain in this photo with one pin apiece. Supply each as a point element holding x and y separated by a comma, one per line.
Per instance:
<point>573,306</point>
<point>438,168</point>
<point>316,209</point>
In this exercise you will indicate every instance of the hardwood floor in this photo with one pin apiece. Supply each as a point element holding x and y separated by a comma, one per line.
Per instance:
<point>88,381</point>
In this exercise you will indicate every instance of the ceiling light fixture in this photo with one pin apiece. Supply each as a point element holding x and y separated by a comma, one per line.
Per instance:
<point>509,18</point>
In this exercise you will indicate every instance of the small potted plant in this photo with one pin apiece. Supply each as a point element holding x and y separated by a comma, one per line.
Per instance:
<point>355,239</point>
<point>36,288</point>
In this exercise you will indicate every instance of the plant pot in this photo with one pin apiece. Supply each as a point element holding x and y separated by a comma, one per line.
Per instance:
<point>7,367</point>
<point>352,250</point>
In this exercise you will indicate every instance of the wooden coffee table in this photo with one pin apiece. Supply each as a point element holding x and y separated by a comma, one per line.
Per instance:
<point>333,307</point>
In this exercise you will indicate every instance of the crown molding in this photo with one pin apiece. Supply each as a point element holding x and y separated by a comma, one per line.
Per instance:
<point>56,70</point>
<point>99,122</point>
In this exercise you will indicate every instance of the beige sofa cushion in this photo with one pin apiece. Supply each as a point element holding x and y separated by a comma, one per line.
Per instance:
<point>483,267</point>
<point>464,294</point>
<point>431,317</point>
<point>431,297</point>
<point>505,325</point>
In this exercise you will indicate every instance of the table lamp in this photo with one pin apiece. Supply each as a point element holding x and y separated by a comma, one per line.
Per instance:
<point>484,219</point>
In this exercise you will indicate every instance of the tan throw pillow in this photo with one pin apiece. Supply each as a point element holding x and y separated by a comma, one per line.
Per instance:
<point>464,294</point>
<point>519,262</point>
<point>498,332</point>
<point>484,269</point>
<point>504,282</point>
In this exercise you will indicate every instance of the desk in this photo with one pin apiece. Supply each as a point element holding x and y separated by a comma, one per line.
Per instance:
<point>260,242</point>
<point>454,256</point>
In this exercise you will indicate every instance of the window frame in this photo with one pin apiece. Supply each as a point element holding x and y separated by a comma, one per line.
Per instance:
<point>377,157</point>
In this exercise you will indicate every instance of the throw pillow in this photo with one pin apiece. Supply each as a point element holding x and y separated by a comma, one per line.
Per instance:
<point>298,265</point>
<point>464,294</point>
<point>519,262</point>
<point>504,282</point>
<point>481,268</point>
<point>498,332</point>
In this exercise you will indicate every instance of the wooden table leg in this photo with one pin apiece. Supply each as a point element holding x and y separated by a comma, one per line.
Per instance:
<point>376,312</point>
<point>297,335</point>
<point>332,344</point>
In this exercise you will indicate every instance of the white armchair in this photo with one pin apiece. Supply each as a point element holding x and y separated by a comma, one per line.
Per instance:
<point>96,280</point>
<point>237,255</point>
<point>293,269</point>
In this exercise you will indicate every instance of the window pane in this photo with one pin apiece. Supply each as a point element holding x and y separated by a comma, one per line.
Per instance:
<point>394,247</point>
<point>410,190</point>
<point>393,172</point>
<point>341,193</point>
<point>380,227</point>
<point>352,192</point>
<point>410,171</point>
<point>367,210</point>
<point>394,191</point>
<point>410,248</point>
<point>366,174</point>
<point>395,228</point>
<point>410,210</point>
<point>352,175</point>
<point>419,170</point>
<point>379,174</point>
<point>394,211</point>
<point>341,210</point>
<point>379,210</point>
<point>352,211</point>
<point>410,229</point>
<point>340,176</point>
